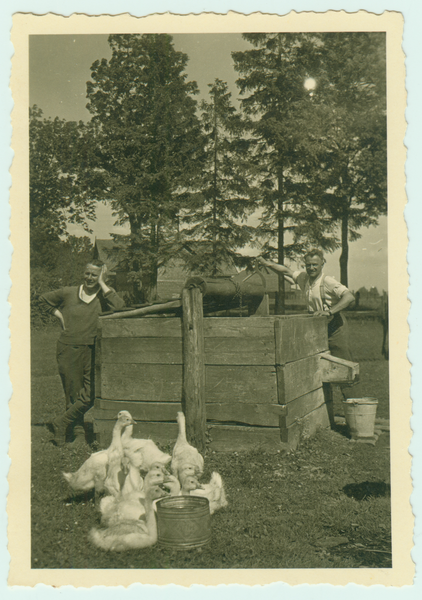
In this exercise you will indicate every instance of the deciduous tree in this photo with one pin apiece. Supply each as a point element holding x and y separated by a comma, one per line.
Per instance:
<point>149,145</point>
<point>59,170</point>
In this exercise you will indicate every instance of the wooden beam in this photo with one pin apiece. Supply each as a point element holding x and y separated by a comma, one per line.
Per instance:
<point>159,350</point>
<point>193,396</point>
<point>140,382</point>
<point>240,383</point>
<point>299,408</point>
<point>306,427</point>
<point>338,370</point>
<point>226,438</point>
<point>264,415</point>
<point>146,310</point>
<point>147,327</point>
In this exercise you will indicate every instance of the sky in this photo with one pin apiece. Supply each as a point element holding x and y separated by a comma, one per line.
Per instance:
<point>59,67</point>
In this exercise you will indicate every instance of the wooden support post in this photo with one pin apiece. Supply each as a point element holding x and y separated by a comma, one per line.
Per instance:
<point>193,398</point>
<point>328,396</point>
<point>335,370</point>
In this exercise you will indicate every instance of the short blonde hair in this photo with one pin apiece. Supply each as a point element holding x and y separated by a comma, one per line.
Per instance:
<point>315,252</point>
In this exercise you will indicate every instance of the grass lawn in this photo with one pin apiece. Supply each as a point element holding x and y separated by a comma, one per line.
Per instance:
<point>326,505</point>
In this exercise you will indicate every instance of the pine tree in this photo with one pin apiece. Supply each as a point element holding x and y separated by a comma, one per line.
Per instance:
<point>349,134</point>
<point>217,224</point>
<point>278,107</point>
<point>323,151</point>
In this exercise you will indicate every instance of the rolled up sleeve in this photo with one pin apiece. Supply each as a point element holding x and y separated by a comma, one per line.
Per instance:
<point>53,300</point>
<point>113,300</point>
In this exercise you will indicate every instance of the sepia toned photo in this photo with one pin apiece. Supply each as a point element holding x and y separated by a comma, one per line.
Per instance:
<point>207,218</point>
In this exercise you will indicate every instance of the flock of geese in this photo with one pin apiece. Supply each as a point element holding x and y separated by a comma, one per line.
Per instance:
<point>127,509</point>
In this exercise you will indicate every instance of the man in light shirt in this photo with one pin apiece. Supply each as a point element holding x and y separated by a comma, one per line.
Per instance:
<point>325,296</point>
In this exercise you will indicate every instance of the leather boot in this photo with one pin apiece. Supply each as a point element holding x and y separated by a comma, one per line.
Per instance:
<point>60,430</point>
<point>79,437</point>
<point>72,416</point>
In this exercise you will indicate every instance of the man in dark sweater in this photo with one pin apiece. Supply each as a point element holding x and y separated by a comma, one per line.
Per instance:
<point>78,309</point>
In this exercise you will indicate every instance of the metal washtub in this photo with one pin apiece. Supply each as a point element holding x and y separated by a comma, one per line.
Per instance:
<point>183,522</point>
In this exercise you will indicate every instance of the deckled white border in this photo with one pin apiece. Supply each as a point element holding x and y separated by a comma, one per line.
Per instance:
<point>264,6</point>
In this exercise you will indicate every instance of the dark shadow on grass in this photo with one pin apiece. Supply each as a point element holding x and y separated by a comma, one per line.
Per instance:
<point>89,432</point>
<point>81,497</point>
<point>342,429</point>
<point>49,426</point>
<point>367,489</point>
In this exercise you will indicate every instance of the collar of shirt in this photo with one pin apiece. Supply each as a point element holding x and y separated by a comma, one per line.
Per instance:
<point>313,294</point>
<point>87,298</point>
<point>316,283</point>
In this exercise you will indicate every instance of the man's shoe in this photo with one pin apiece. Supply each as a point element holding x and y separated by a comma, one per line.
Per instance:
<point>59,430</point>
<point>79,441</point>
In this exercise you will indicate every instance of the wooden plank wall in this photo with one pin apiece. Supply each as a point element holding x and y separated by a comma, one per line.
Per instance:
<point>262,378</point>
<point>299,343</point>
<point>139,368</point>
<point>241,383</point>
<point>277,388</point>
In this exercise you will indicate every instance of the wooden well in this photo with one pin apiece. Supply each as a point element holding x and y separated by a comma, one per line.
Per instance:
<point>262,378</point>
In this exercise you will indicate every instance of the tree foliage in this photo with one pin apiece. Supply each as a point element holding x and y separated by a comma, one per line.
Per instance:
<point>149,145</point>
<point>65,266</point>
<point>59,183</point>
<point>278,106</point>
<point>350,134</point>
<point>217,221</point>
<point>322,152</point>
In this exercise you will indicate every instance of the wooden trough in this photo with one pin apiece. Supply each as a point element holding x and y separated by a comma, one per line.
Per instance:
<point>243,382</point>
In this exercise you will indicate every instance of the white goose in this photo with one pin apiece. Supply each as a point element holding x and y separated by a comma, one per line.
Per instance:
<point>214,490</point>
<point>184,455</point>
<point>125,530</point>
<point>95,473</point>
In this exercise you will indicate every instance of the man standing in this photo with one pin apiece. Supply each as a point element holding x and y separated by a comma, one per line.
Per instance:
<point>78,309</point>
<point>325,296</point>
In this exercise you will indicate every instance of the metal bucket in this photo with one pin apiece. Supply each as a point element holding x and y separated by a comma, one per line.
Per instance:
<point>360,416</point>
<point>183,522</point>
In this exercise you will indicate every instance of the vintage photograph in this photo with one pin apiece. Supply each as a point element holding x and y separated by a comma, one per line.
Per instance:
<point>208,248</point>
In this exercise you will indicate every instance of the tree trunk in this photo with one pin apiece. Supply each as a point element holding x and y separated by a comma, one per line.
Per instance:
<point>149,286</point>
<point>137,286</point>
<point>149,277</point>
<point>344,258</point>
<point>214,205</point>
<point>280,307</point>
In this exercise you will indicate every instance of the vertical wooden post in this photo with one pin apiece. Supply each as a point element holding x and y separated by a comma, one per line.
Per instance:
<point>193,398</point>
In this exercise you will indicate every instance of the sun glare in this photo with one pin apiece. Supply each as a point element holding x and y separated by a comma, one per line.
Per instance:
<point>310,84</point>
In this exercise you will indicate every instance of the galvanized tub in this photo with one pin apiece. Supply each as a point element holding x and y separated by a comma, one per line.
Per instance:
<point>183,522</point>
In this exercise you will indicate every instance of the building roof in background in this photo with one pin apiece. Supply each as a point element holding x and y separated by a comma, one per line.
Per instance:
<point>107,251</point>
